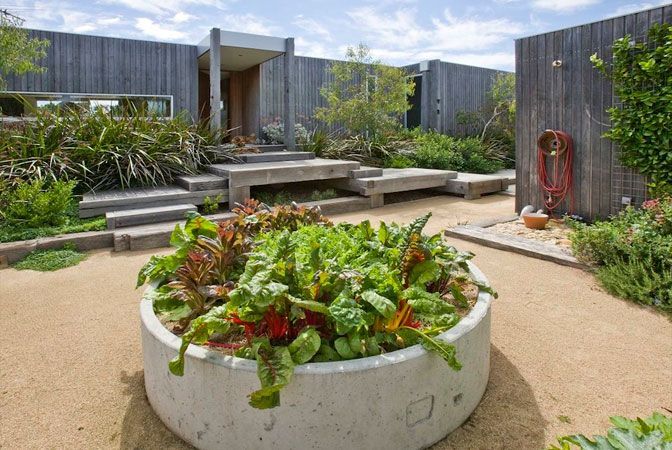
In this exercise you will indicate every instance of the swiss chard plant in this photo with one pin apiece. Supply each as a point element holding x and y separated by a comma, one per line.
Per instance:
<point>287,287</point>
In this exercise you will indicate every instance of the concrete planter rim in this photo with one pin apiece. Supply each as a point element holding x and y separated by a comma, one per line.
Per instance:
<point>464,326</point>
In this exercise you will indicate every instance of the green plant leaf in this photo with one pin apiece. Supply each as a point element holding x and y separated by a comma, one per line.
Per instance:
<point>382,304</point>
<point>305,346</point>
<point>445,350</point>
<point>274,369</point>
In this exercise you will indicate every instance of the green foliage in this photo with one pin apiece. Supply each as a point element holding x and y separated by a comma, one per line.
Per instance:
<point>370,152</point>
<point>285,198</point>
<point>102,151</point>
<point>50,260</point>
<point>36,204</point>
<point>366,96</point>
<point>633,252</point>
<point>211,205</point>
<point>439,151</point>
<point>19,52</point>
<point>302,290</point>
<point>642,124</point>
<point>654,432</point>
<point>494,123</point>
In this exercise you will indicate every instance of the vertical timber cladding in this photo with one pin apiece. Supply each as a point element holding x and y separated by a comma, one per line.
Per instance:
<point>102,65</point>
<point>574,98</point>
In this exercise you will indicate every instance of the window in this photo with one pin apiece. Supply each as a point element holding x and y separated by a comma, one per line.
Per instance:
<point>24,104</point>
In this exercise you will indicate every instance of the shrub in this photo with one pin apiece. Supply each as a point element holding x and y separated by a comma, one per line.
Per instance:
<point>653,432</point>
<point>370,152</point>
<point>36,203</point>
<point>365,96</point>
<point>50,260</point>
<point>102,151</point>
<point>275,133</point>
<point>440,151</point>
<point>641,124</point>
<point>633,252</point>
<point>211,204</point>
<point>287,287</point>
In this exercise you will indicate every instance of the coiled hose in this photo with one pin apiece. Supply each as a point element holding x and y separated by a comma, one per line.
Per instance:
<point>557,146</point>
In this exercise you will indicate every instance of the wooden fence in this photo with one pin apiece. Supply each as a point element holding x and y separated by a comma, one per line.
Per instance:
<point>574,98</point>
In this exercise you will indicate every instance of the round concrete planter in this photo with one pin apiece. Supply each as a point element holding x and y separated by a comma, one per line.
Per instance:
<point>407,399</point>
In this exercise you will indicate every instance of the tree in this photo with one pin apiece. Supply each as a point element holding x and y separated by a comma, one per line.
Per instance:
<point>499,109</point>
<point>18,52</point>
<point>366,96</point>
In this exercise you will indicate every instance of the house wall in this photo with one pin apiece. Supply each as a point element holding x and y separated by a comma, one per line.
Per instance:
<point>101,65</point>
<point>458,88</point>
<point>574,98</point>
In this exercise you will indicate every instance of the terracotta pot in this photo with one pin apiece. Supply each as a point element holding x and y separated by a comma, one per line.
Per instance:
<point>535,221</point>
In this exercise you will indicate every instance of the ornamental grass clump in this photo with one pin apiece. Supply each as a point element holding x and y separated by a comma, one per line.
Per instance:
<point>287,287</point>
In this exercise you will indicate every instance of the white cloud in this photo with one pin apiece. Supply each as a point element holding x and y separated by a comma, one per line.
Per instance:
<point>182,17</point>
<point>247,23</point>
<point>157,30</point>
<point>311,26</point>
<point>563,6</point>
<point>635,7</point>
<point>162,7</point>
<point>316,49</point>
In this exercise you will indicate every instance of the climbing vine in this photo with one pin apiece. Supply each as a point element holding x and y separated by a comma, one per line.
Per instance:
<point>641,73</point>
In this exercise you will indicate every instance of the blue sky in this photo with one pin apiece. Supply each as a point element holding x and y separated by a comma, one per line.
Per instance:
<point>477,32</point>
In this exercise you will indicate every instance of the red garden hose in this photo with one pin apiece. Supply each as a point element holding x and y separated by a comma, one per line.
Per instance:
<point>557,146</point>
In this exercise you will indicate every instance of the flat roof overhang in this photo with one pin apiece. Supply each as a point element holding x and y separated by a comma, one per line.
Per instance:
<point>240,51</point>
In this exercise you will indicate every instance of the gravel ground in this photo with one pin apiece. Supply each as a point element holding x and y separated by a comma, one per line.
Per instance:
<point>556,233</point>
<point>71,368</point>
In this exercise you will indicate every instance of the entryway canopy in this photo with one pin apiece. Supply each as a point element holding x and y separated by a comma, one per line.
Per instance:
<point>240,51</point>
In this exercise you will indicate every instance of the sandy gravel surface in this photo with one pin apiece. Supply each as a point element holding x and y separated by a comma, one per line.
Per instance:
<point>71,369</point>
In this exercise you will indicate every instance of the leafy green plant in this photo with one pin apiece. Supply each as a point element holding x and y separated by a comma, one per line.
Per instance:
<point>286,287</point>
<point>326,194</point>
<point>370,152</point>
<point>19,51</point>
<point>439,151</point>
<point>654,432</point>
<point>642,123</point>
<point>36,204</point>
<point>632,252</point>
<point>211,205</point>
<point>50,260</point>
<point>102,151</point>
<point>365,96</point>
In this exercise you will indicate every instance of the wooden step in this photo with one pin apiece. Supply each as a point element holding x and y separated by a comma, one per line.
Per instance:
<point>142,216</point>
<point>396,180</point>
<point>275,156</point>
<point>202,182</point>
<point>243,176</point>
<point>265,148</point>
<point>366,172</point>
<point>95,204</point>
<point>473,185</point>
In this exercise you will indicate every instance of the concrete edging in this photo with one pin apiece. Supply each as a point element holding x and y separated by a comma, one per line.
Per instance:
<point>527,247</point>
<point>88,240</point>
<point>406,399</point>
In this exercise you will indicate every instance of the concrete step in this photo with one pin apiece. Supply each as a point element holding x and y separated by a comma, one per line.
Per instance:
<point>95,204</point>
<point>366,172</point>
<point>142,216</point>
<point>396,180</point>
<point>202,182</point>
<point>275,156</point>
<point>473,185</point>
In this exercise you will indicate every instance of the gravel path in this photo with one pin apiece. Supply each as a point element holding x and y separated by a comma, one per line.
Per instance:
<point>71,368</point>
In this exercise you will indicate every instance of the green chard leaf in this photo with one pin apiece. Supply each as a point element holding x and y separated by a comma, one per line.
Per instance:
<point>305,346</point>
<point>200,330</point>
<point>274,369</point>
<point>382,304</point>
<point>443,349</point>
<point>425,272</point>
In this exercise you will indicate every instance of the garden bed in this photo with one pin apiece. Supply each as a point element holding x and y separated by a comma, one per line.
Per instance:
<point>407,398</point>
<point>556,233</point>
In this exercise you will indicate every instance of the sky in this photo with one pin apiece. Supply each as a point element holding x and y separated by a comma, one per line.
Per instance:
<point>475,32</point>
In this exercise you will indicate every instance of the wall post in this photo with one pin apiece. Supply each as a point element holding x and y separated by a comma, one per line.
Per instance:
<point>289,110</point>
<point>215,80</point>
